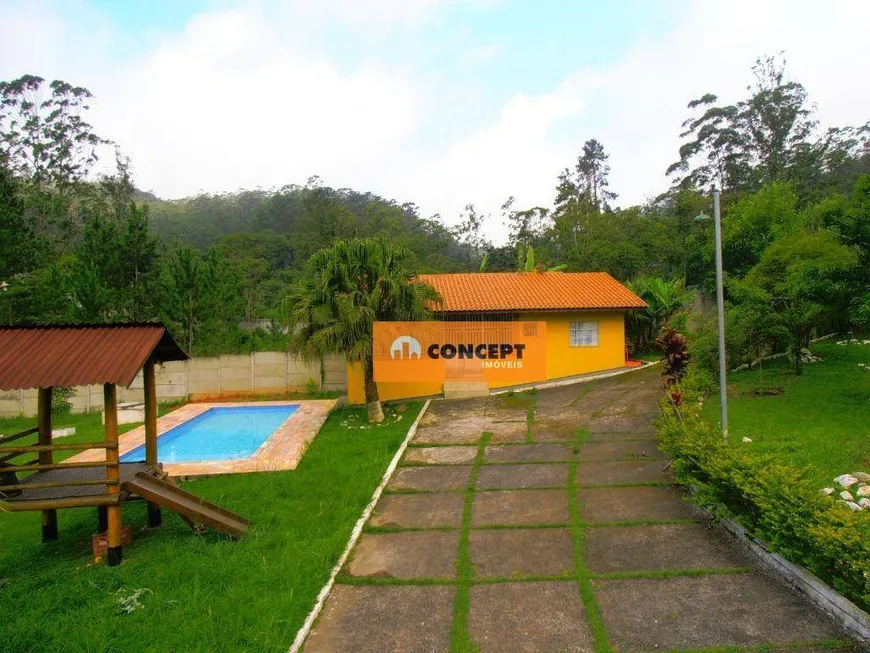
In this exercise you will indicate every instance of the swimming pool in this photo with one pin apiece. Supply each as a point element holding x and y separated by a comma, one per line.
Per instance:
<point>219,433</point>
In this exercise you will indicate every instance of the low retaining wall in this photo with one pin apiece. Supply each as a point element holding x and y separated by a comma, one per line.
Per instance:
<point>852,618</point>
<point>265,372</point>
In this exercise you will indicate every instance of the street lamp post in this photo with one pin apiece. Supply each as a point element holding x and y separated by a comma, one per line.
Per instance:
<point>720,307</point>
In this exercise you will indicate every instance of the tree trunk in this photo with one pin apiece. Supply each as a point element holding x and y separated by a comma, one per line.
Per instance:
<point>373,401</point>
<point>798,363</point>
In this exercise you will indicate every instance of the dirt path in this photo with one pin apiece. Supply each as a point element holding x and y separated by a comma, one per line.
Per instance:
<point>546,522</point>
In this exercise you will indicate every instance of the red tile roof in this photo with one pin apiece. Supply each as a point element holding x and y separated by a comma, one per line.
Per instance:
<point>531,291</point>
<point>68,355</point>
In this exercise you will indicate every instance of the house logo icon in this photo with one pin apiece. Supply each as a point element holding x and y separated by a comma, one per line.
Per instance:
<point>406,348</point>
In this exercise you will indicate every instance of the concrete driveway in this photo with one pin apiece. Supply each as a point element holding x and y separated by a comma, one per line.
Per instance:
<point>547,522</point>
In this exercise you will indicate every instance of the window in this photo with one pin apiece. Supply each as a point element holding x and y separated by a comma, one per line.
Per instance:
<point>584,334</point>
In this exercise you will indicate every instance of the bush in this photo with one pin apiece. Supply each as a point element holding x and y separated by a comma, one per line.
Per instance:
<point>60,400</point>
<point>775,502</point>
<point>704,344</point>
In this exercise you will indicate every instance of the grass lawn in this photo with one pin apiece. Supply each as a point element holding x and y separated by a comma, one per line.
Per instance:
<point>821,420</point>
<point>198,593</point>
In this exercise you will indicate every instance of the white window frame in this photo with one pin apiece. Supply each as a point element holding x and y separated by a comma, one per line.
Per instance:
<point>577,330</point>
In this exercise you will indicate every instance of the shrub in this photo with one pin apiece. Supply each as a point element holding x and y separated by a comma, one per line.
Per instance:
<point>61,404</point>
<point>775,502</point>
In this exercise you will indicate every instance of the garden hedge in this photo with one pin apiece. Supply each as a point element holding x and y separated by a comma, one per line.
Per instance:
<point>775,502</point>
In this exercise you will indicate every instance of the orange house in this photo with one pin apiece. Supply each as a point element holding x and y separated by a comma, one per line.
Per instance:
<point>584,314</point>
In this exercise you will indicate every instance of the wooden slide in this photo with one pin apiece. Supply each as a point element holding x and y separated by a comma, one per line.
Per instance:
<point>191,507</point>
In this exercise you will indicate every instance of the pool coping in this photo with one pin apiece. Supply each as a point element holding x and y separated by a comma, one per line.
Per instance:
<point>282,451</point>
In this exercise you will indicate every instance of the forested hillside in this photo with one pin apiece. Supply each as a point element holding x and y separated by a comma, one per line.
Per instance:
<point>796,216</point>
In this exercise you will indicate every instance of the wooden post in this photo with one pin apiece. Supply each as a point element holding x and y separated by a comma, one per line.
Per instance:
<point>154,517</point>
<point>49,517</point>
<point>113,472</point>
<point>102,519</point>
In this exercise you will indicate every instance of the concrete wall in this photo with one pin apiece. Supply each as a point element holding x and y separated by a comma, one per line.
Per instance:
<point>265,372</point>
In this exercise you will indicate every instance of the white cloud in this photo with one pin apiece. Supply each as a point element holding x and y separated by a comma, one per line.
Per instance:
<point>636,105</point>
<point>231,103</point>
<point>248,97</point>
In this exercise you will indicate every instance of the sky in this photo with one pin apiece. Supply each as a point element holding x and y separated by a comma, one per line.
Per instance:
<point>437,102</point>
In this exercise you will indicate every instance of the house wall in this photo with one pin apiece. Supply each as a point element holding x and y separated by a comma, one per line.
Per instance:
<point>262,372</point>
<point>562,359</point>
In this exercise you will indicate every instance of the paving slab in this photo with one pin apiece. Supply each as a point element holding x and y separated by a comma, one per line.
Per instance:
<point>555,399</point>
<point>662,546</point>
<point>625,423</point>
<point>528,453</point>
<point>561,429</point>
<point>626,471</point>
<point>703,611</point>
<point>440,455</point>
<point>520,552</point>
<point>427,510</point>
<point>376,619</point>
<point>503,408</point>
<point>529,617</point>
<point>595,451</point>
<point>440,477</point>
<point>615,504</point>
<point>523,476</point>
<point>508,431</point>
<point>423,554</point>
<point>518,507</point>
<point>469,428</point>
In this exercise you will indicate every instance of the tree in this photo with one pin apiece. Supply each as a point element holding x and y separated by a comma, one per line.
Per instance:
<point>525,226</point>
<point>593,171</point>
<point>759,139</point>
<point>50,148</point>
<point>184,286</point>
<point>755,221</point>
<point>45,139</point>
<point>801,276</point>
<point>15,239</point>
<point>343,290</point>
<point>716,153</point>
<point>588,182</point>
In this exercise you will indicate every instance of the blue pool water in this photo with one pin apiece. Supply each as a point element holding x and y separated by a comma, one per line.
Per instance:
<point>224,433</point>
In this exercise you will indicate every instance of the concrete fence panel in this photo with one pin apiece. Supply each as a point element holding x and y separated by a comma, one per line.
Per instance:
<point>248,374</point>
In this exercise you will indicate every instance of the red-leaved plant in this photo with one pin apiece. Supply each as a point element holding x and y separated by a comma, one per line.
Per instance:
<point>676,357</point>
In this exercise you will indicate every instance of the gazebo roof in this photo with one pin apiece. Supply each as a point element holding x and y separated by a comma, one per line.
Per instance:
<point>42,356</point>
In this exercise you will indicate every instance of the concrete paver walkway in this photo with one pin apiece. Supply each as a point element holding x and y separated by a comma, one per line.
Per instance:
<point>546,522</point>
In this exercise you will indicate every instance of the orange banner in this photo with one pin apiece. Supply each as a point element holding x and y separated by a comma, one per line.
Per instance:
<point>502,353</point>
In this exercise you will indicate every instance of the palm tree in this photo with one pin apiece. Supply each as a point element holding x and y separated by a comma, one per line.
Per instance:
<point>343,290</point>
<point>664,300</point>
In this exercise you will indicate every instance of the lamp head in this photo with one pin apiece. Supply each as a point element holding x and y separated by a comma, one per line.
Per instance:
<point>701,217</point>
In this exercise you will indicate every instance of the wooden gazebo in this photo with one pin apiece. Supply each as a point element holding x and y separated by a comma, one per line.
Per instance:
<point>46,357</point>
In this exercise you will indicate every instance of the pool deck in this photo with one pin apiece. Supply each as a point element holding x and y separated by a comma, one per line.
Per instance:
<point>282,451</point>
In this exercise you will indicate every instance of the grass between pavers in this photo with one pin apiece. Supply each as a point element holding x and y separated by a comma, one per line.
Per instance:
<point>201,593</point>
<point>818,423</point>
<point>600,636</point>
<point>668,573</point>
<point>460,639</point>
<point>598,486</point>
<point>524,399</point>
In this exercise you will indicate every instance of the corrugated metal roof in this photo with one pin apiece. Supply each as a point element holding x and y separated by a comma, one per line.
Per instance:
<point>41,356</point>
<point>531,291</point>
